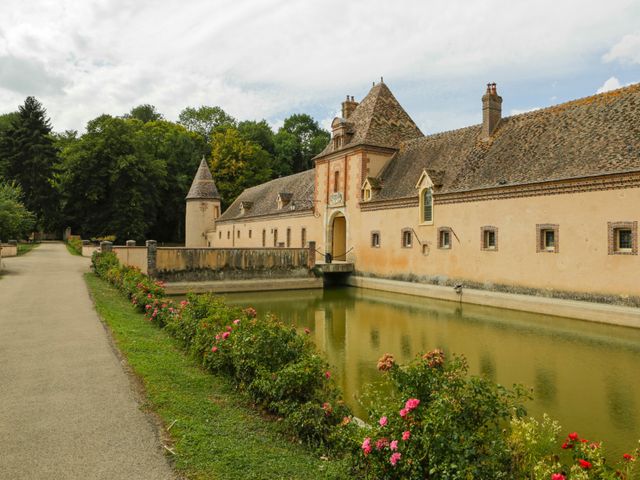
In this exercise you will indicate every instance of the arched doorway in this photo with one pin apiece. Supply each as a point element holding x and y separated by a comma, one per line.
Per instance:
<point>339,238</point>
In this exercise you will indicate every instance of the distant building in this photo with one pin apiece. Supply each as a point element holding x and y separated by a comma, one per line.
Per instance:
<point>545,200</point>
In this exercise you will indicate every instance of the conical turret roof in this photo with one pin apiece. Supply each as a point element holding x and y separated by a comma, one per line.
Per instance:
<point>203,186</point>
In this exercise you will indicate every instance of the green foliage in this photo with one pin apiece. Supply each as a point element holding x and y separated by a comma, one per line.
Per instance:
<point>259,133</point>
<point>145,113</point>
<point>205,120</point>
<point>279,369</point>
<point>74,245</point>
<point>298,141</point>
<point>29,157</point>
<point>237,163</point>
<point>15,220</point>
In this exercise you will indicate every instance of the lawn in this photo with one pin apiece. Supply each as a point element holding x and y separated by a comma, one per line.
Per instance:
<point>216,434</point>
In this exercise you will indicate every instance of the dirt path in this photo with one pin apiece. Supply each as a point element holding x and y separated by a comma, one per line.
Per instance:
<point>67,410</point>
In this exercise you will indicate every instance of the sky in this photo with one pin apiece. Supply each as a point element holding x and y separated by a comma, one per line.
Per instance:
<point>272,58</point>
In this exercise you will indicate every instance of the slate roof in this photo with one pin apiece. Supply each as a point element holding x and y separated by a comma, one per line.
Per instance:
<point>378,120</point>
<point>265,197</point>
<point>591,136</point>
<point>203,186</point>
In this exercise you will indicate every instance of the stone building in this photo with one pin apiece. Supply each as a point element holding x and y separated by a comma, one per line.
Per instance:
<point>545,200</point>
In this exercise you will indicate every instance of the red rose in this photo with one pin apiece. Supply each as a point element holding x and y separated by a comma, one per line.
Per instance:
<point>573,436</point>
<point>628,458</point>
<point>558,476</point>
<point>584,464</point>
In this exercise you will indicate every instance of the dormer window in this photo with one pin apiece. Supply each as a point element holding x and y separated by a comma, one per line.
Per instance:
<point>426,184</point>
<point>367,194</point>
<point>370,186</point>
<point>245,207</point>
<point>284,199</point>
<point>341,132</point>
<point>426,205</point>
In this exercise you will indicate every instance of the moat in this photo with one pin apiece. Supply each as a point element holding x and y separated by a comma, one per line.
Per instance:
<point>582,374</point>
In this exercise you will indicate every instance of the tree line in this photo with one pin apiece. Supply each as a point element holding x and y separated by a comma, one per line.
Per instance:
<point>128,175</point>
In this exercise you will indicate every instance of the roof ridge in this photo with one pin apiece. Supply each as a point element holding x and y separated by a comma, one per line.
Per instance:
<point>577,101</point>
<point>279,178</point>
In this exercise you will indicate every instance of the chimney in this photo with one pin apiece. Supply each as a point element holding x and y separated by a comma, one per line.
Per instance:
<point>491,110</point>
<point>348,106</point>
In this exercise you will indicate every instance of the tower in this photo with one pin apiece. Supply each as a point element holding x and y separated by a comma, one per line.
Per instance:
<point>203,207</point>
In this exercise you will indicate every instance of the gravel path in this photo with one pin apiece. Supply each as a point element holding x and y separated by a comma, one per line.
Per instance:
<point>67,408</point>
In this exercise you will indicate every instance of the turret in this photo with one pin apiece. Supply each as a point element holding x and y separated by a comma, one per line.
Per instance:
<point>203,207</point>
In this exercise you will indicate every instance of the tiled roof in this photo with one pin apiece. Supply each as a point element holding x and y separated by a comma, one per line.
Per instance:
<point>378,120</point>
<point>586,137</point>
<point>265,197</point>
<point>203,186</point>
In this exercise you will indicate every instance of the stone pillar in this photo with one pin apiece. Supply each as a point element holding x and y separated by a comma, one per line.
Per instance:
<point>312,254</point>
<point>86,243</point>
<point>105,247</point>
<point>131,243</point>
<point>152,253</point>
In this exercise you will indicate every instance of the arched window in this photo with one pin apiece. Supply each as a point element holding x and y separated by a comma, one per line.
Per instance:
<point>426,204</point>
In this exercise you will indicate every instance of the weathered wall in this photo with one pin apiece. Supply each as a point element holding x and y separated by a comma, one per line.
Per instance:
<point>194,264</point>
<point>9,250</point>
<point>582,263</point>
<point>132,256</point>
<point>87,250</point>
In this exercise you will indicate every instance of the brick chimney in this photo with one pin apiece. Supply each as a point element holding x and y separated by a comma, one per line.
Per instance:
<point>348,106</point>
<point>491,110</point>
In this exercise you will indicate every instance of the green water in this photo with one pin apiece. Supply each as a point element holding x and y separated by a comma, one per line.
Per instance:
<point>583,374</point>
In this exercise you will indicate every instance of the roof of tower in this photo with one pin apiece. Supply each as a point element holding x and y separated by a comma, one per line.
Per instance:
<point>203,186</point>
<point>379,120</point>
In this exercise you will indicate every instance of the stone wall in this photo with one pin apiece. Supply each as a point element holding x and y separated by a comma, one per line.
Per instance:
<point>206,264</point>
<point>9,249</point>
<point>132,256</point>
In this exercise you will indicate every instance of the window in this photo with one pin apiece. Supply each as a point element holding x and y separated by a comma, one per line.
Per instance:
<point>547,238</point>
<point>407,237</point>
<point>444,238</point>
<point>336,181</point>
<point>220,235</point>
<point>367,194</point>
<point>228,234</point>
<point>249,233</point>
<point>264,237</point>
<point>303,237</point>
<point>426,206</point>
<point>288,237</point>
<point>238,234</point>
<point>623,238</point>
<point>375,239</point>
<point>489,238</point>
<point>216,212</point>
<point>275,237</point>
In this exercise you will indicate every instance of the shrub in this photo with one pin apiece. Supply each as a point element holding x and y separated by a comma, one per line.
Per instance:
<point>75,244</point>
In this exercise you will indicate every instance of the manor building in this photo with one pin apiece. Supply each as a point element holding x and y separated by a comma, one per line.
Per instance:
<point>545,200</point>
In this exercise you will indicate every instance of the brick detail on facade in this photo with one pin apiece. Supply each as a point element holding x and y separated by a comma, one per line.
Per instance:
<point>541,227</point>
<point>612,227</point>
<point>483,245</point>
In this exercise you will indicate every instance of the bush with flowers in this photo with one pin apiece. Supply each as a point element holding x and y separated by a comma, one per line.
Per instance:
<point>278,369</point>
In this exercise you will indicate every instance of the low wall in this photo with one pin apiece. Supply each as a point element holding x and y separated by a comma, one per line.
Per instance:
<point>87,250</point>
<point>9,250</point>
<point>132,256</point>
<point>593,312</point>
<point>207,264</point>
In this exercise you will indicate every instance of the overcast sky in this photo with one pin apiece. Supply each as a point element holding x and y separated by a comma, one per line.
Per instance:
<point>271,58</point>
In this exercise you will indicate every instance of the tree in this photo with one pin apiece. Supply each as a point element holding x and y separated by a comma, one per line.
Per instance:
<point>145,113</point>
<point>205,120</point>
<point>298,141</point>
<point>258,132</point>
<point>111,183</point>
<point>15,220</point>
<point>6,120</point>
<point>237,164</point>
<point>30,156</point>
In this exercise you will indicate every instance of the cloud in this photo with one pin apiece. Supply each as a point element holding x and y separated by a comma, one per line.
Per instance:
<point>627,50</point>
<point>270,58</point>
<point>612,83</point>
<point>518,111</point>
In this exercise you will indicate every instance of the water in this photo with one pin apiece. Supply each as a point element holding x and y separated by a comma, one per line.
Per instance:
<point>583,374</point>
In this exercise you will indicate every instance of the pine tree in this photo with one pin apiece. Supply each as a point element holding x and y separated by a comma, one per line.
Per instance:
<point>27,148</point>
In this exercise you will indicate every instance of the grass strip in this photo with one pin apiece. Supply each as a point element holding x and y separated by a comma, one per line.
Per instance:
<point>24,248</point>
<point>216,435</point>
<point>72,250</point>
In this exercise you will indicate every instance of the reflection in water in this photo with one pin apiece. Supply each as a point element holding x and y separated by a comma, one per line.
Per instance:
<point>583,374</point>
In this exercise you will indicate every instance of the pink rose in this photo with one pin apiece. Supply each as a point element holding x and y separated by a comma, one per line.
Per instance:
<point>393,445</point>
<point>327,374</point>
<point>225,335</point>
<point>406,435</point>
<point>236,321</point>
<point>366,446</point>
<point>395,457</point>
<point>403,412</point>
<point>411,404</point>
<point>214,349</point>
<point>382,421</point>
<point>558,476</point>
